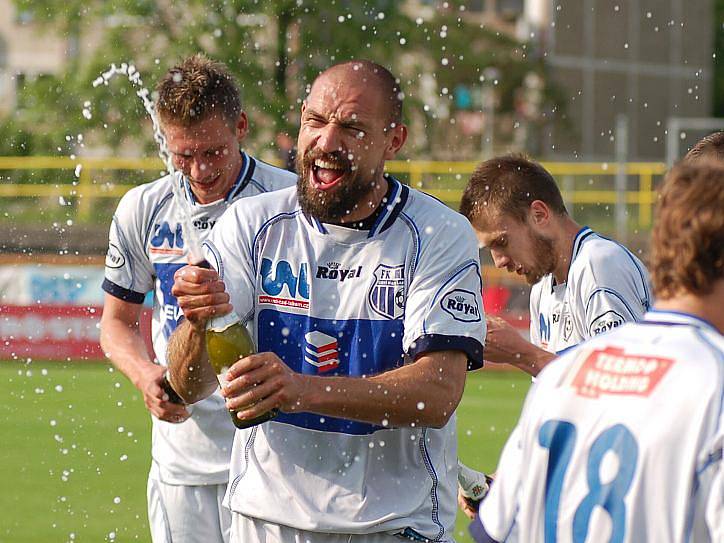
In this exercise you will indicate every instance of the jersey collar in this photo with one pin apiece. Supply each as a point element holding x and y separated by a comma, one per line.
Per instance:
<point>582,235</point>
<point>677,318</point>
<point>392,209</point>
<point>242,180</point>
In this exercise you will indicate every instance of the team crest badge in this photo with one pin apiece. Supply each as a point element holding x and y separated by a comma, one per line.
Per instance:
<point>387,294</point>
<point>567,327</point>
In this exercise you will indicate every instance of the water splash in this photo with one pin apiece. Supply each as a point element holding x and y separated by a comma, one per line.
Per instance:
<point>129,70</point>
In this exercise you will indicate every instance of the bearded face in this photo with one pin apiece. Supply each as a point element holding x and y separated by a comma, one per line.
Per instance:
<point>330,186</point>
<point>543,261</point>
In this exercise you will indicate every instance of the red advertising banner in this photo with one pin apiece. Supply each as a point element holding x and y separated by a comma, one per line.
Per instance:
<point>54,332</point>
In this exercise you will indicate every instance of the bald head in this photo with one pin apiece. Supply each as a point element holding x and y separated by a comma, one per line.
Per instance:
<point>368,75</point>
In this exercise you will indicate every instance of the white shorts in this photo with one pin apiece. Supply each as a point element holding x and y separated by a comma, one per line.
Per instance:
<point>252,530</point>
<point>187,514</point>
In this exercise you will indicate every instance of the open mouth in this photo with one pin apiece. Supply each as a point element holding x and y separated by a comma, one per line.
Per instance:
<point>326,174</point>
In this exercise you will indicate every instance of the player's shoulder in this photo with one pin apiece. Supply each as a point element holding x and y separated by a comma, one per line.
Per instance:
<point>599,258</point>
<point>434,219</point>
<point>695,354</point>
<point>144,199</point>
<point>255,212</point>
<point>266,177</point>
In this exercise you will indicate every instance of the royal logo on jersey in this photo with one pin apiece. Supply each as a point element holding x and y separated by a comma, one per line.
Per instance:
<point>283,285</point>
<point>321,351</point>
<point>461,305</point>
<point>204,223</point>
<point>334,271</point>
<point>387,294</point>
<point>611,371</point>
<point>606,322</point>
<point>114,257</point>
<point>167,239</point>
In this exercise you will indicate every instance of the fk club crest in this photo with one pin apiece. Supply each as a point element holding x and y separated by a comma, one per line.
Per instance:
<point>387,294</point>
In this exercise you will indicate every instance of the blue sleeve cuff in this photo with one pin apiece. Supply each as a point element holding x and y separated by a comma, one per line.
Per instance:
<point>477,531</point>
<point>429,343</point>
<point>123,293</point>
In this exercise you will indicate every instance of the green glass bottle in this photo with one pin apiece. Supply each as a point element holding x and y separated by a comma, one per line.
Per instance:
<point>227,340</point>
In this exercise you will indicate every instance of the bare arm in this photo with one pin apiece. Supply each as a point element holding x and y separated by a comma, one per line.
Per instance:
<point>201,295</point>
<point>122,343</point>
<point>424,393</point>
<point>504,345</point>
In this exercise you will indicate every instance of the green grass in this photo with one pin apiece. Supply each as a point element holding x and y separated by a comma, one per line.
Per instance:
<point>76,449</point>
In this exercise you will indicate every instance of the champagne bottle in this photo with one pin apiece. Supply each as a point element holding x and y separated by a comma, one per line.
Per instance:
<point>227,340</point>
<point>173,396</point>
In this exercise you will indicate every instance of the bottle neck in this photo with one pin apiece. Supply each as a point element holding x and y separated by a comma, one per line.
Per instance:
<point>221,323</point>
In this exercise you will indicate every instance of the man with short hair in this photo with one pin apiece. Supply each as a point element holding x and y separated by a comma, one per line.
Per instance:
<point>203,122</point>
<point>583,284</point>
<point>621,438</point>
<point>364,300</point>
<point>710,147</point>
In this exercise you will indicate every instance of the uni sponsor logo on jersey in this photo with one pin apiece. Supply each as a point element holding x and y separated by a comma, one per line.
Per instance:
<point>321,351</point>
<point>611,371</point>
<point>284,285</point>
<point>167,239</point>
<point>335,271</point>
<point>608,321</point>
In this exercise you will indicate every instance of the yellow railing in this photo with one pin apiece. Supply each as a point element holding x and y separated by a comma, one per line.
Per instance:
<point>421,173</point>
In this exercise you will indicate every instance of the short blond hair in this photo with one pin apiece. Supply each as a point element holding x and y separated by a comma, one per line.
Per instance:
<point>197,89</point>
<point>687,243</point>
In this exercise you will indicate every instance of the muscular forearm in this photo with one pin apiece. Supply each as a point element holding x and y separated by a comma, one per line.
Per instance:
<point>532,360</point>
<point>190,373</point>
<point>424,393</point>
<point>125,348</point>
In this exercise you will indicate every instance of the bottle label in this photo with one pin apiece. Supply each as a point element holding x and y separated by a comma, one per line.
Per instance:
<point>219,324</point>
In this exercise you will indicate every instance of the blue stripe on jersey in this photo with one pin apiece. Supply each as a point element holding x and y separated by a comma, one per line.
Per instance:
<point>391,210</point>
<point>154,214</point>
<point>264,227</point>
<point>242,180</point>
<point>217,258</point>
<point>416,240</point>
<point>122,293</point>
<point>169,305</point>
<point>430,343</point>
<point>477,531</point>
<point>435,517</point>
<point>647,295</point>
<point>355,347</point>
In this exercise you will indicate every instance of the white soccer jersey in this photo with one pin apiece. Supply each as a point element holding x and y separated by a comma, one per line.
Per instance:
<point>330,300</point>
<point>146,248</point>
<point>606,286</point>
<point>619,440</point>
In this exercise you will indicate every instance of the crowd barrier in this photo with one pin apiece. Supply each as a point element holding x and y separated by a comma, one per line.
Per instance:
<point>52,312</point>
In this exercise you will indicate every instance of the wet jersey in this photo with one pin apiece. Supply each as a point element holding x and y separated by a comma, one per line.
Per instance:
<point>330,300</point>
<point>606,286</point>
<point>146,247</point>
<point>619,440</point>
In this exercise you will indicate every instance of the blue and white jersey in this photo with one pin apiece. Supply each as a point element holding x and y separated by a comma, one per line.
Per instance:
<point>146,247</point>
<point>606,287</point>
<point>330,300</point>
<point>619,440</point>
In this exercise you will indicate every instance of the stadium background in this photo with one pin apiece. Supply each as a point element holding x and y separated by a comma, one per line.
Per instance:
<point>606,93</point>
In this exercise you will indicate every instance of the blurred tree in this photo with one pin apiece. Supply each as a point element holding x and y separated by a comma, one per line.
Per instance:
<point>274,47</point>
